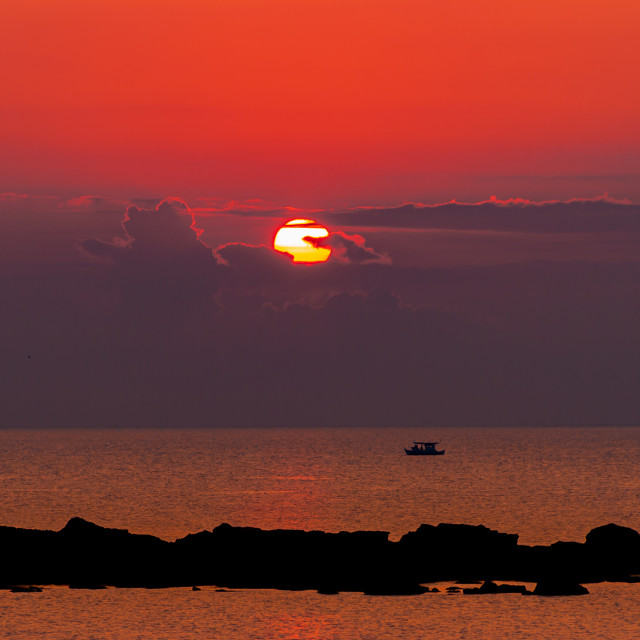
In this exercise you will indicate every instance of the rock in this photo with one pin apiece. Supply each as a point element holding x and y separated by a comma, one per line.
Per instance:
<point>30,589</point>
<point>457,552</point>
<point>475,536</point>
<point>559,587</point>
<point>248,557</point>
<point>614,551</point>
<point>194,588</point>
<point>84,555</point>
<point>492,587</point>
<point>614,536</point>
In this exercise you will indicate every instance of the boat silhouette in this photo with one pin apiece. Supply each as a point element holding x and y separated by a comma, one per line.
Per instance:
<point>424,449</point>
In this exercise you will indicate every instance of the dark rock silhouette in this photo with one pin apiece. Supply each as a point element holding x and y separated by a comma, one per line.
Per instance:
<point>559,587</point>
<point>457,552</point>
<point>82,553</point>
<point>491,587</point>
<point>615,550</point>
<point>292,559</point>
<point>87,556</point>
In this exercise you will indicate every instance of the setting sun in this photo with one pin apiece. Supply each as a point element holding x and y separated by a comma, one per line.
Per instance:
<point>293,238</point>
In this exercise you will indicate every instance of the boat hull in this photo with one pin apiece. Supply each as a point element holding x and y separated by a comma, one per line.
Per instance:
<point>411,452</point>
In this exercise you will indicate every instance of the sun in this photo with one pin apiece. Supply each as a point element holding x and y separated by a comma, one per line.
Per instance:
<point>292,237</point>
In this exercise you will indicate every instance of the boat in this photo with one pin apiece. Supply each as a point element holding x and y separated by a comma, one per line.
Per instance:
<point>424,449</point>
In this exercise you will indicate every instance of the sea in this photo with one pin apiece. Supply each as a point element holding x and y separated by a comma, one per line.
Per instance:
<point>545,484</point>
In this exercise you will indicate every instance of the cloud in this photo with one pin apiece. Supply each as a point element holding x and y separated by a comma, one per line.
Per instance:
<point>134,337</point>
<point>601,214</point>
<point>253,207</point>
<point>160,256</point>
<point>153,234</point>
<point>349,249</point>
<point>26,203</point>
<point>93,204</point>
<point>157,328</point>
<point>160,261</point>
<point>21,202</point>
<point>101,249</point>
<point>257,258</point>
<point>584,177</point>
<point>271,277</point>
<point>595,215</point>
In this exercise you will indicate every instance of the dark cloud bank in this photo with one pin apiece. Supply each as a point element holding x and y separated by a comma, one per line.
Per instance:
<point>156,328</point>
<point>594,215</point>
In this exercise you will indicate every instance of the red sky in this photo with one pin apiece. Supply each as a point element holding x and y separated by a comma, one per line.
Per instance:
<point>321,102</point>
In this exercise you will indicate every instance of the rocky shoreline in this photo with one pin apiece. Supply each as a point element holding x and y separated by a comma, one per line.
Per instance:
<point>86,555</point>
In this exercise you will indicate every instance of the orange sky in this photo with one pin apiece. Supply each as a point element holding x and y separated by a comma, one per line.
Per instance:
<point>321,102</point>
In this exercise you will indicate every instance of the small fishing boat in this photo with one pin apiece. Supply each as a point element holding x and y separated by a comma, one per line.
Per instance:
<point>424,449</point>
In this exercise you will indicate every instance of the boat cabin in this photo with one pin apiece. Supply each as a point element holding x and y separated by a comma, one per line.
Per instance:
<point>424,445</point>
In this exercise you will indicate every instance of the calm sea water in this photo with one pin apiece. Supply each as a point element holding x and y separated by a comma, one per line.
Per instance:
<point>608,612</point>
<point>545,484</point>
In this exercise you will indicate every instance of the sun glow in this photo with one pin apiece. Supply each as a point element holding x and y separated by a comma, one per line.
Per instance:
<point>292,238</point>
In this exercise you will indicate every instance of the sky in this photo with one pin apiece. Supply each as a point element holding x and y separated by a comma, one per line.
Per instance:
<point>477,166</point>
<point>322,102</point>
